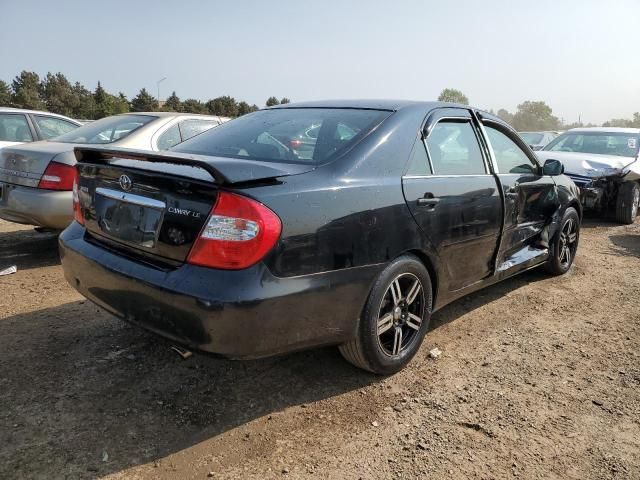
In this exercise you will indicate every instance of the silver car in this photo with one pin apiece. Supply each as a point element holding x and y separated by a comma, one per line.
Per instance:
<point>36,179</point>
<point>20,126</point>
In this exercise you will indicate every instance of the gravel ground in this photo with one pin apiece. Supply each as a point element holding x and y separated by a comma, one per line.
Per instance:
<point>539,378</point>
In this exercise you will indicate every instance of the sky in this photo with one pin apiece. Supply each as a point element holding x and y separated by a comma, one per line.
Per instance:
<point>579,56</point>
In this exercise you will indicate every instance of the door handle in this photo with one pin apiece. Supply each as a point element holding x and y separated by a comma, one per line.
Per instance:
<point>428,201</point>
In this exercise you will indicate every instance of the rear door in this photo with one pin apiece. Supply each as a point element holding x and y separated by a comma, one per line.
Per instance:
<point>530,198</point>
<point>454,197</point>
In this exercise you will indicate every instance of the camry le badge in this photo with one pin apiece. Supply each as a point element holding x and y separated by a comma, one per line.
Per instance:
<point>125,183</point>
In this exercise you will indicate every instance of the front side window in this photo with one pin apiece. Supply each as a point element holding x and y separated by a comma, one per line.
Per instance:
<point>454,150</point>
<point>294,135</point>
<point>52,127</point>
<point>105,130</point>
<point>510,158</point>
<point>14,128</point>
<point>600,143</point>
<point>192,127</point>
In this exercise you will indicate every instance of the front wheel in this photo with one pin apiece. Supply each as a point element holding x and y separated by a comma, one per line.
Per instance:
<point>395,319</point>
<point>565,244</point>
<point>627,202</point>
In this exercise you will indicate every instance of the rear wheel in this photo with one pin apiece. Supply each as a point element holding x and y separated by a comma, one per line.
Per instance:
<point>395,319</point>
<point>565,244</point>
<point>627,202</point>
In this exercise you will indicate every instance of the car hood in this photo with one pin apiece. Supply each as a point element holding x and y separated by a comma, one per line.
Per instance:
<point>593,165</point>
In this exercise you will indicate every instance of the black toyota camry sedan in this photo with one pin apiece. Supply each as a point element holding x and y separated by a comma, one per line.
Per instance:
<point>243,243</point>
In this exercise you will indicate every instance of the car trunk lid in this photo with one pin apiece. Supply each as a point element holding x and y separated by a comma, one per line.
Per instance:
<point>154,206</point>
<point>24,164</point>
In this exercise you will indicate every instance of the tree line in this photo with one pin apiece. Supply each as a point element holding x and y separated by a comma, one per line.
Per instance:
<point>536,115</point>
<point>57,94</point>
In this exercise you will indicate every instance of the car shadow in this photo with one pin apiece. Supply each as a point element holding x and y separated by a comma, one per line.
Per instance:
<point>83,394</point>
<point>475,300</point>
<point>626,244</point>
<point>78,386</point>
<point>28,249</point>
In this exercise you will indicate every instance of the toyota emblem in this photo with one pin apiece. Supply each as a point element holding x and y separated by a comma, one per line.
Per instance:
<point>125,183</point>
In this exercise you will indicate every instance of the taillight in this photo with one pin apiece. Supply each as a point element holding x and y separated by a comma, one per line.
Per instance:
<point>77,211</point>
<point>58,176</point>
<point>239,233</point>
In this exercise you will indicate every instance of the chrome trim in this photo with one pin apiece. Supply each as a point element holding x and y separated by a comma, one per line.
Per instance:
<point>131,198</point>
<point>448,176</point>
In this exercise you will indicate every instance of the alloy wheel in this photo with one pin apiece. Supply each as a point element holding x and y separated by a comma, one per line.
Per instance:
<point>401,314</point>
<point>568,242</point>
<point>636,201</point>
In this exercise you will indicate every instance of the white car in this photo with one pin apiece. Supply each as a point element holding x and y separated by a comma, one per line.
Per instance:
<point>20,126</point>
<point>36,179</point>
<point>603,163</point>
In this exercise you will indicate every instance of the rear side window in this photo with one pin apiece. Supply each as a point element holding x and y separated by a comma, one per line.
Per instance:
<point>169,137</point>
<point>293,135</point>
<point>52,127</point>
<point>454,150</point>
<point>419,162</point>
<point>14,128</point>
<point>193,127</point>
<point>509,156</point>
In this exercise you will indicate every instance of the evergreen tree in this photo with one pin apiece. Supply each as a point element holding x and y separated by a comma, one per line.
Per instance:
<point>172,104</point>
<point>144,102</point>
<point>27,91</point>
<point>284,101</point>
<point>5,94</point>
<point>225,106</point>
<point>191,105</point>
<point>271,101</point>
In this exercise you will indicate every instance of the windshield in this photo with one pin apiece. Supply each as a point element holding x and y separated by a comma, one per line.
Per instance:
<point>105,130</point>
<point>532,138</point>
<point>600,143</point>
<point>293,135</point>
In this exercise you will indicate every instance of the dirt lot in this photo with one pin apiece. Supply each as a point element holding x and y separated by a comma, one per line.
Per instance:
<point>539,378</point>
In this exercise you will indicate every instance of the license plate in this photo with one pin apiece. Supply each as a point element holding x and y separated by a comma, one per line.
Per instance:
<point>129,218</point>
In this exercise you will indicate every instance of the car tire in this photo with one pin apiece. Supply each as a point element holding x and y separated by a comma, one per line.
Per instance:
<point>395,318</point>
<point>627,202</point>
<point>564,244</point>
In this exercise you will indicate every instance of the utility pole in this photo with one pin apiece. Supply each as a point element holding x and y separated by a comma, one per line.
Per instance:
<point>158,85</point>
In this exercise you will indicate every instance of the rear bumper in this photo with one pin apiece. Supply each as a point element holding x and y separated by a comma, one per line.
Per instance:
<point>34,206</point>
<point>239,314</point>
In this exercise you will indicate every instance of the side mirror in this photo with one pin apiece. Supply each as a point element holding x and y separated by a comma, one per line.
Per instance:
<point>553,167</point>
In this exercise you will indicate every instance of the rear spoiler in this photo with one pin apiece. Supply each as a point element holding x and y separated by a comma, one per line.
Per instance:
<point>103,156</point>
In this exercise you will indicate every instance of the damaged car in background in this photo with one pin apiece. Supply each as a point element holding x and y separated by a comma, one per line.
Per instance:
<point>603,162</point>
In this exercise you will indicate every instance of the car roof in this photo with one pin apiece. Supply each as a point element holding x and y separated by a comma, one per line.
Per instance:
<point>38,112</point>
<point>605,130</point>
<point>392,105</point>
<point>171,114</point>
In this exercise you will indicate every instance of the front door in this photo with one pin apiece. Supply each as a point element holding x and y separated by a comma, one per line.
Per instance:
<point>454,198</point>
<point>530,199</point>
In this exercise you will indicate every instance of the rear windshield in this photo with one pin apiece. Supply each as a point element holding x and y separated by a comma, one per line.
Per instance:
<point>293,135</point>
<point>105,130</point>
<point>601,143</point>
<point>532,138</point>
